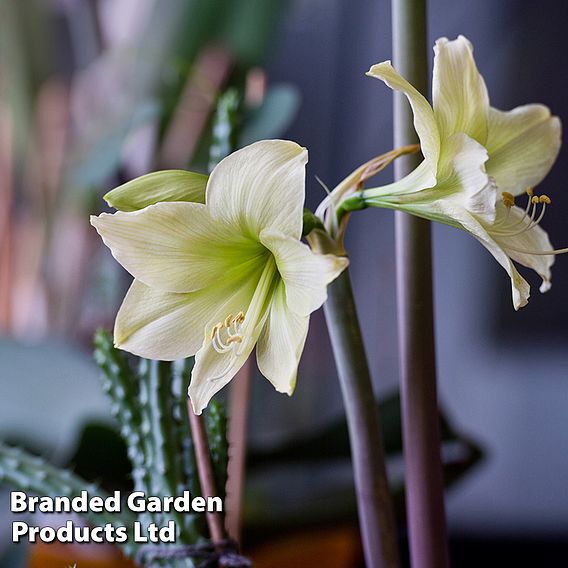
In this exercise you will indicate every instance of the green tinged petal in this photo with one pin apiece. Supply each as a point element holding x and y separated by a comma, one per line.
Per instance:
<point>460,99</point>
<point>213,370</point>
<point>523,144</point>
<point>465,178</point>
<point>166,185</point>
<point>306,274</point>
<point>519,286</point>
<point>462,180</point>
<point>166,325</point>
<point>281,343</point>
<point>418,179</point>
<point>177,247</point>
<point>260,186</point>
<point>424,121</point>
<point>534,239</point>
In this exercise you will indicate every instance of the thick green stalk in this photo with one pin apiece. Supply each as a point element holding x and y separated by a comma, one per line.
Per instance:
<point>423,467</point>
<point>376,517</point>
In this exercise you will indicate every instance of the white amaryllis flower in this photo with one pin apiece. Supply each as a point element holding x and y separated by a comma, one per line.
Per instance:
<point>476,160</point>
<point>213,280</point>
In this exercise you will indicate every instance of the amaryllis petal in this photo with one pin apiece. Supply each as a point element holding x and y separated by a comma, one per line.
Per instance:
<point>424,121</point>
<point>509,234</point>
<point>162,325</point>
<point>519,286</point>
<point>418,179</point>
<point>177,247</point>
<point>523,144</point>
<point>464,177</point>
<point>459,94</point>
<point>462,181</point>
<point>306,274</point>
<point>165,185</point>
<point>281,343</point>
<point>260,186</point>
<point>212,371</point>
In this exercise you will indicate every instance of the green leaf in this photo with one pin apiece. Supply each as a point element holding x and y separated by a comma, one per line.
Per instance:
<point>165,185</point>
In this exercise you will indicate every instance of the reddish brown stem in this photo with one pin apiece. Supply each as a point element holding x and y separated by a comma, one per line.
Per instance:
<point>205,471</point>
<point>237,434</point>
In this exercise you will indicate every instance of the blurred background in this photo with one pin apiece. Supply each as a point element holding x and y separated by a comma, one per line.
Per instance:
<point>95,92</point>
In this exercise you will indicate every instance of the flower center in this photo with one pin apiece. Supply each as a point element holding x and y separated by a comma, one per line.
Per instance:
<point>228,334</point>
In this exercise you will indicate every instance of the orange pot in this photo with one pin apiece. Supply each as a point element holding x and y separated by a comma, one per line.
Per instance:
<point>57,555</point>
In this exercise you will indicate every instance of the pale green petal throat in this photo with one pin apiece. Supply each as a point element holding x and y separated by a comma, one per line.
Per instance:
<point>219,267</point>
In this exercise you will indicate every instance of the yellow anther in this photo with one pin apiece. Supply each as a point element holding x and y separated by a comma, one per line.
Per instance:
<point>228,320</point>
<point>215,328</point>
<point>545,199</point>
<point>508,199</point>
<point>535,199</point>
<point>530,191</point>
<point>240,317</point>
<point>234,339</point>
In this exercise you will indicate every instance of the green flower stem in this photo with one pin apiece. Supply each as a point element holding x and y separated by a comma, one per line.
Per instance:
<point>376,516</point>
<point>423,467</point>
<point>355,202</point>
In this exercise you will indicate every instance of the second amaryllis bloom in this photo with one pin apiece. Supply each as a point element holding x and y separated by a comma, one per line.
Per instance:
<point>215,279</point>
<point>477,160</point>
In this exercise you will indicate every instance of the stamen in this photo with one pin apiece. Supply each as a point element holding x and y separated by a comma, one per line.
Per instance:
<point>539,219</point>
<point>510,231</point>
<point>532,203</point>
<point>519,221</point>
<point>214,329</point>
<point>219,340</point>
<point>508,199</point>
<point>217,347</point>
<point>539,252</point>
<point>233,326</point>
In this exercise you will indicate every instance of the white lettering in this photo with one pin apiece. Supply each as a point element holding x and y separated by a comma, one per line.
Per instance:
<point>18,502</point>
<point>18,529</point>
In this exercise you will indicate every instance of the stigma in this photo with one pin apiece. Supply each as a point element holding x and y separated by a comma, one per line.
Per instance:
<point>227,335</point>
